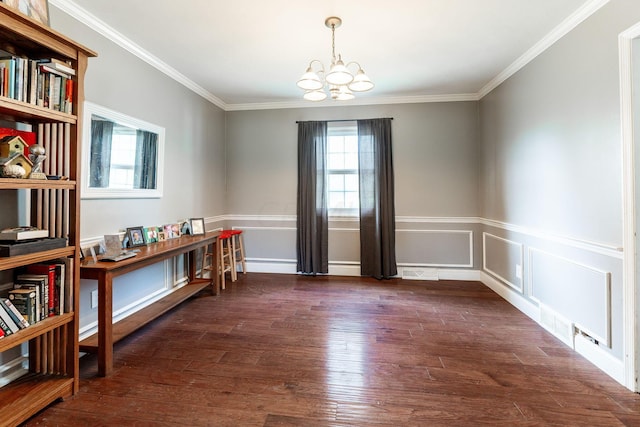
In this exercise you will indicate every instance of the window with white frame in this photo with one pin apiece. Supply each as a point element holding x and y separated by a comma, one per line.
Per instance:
<point>342,168</point>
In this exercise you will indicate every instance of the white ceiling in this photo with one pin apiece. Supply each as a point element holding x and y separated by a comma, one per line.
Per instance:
<point>249,53</point>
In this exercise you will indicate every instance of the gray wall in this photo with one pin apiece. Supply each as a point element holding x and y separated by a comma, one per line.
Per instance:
<point>436,174</point>
<point>551,173</point>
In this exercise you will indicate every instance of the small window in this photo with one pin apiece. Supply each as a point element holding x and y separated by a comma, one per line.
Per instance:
<point>342,169</point>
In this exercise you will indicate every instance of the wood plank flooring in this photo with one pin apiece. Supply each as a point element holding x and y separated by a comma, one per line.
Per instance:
<point>286,350</point>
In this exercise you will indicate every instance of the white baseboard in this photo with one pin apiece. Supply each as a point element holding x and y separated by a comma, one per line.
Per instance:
<point>512,297</point>
<point>600,358</point>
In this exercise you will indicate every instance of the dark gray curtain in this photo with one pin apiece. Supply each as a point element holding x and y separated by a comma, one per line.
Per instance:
<point>144,170</point>
<point>312,223</point>
<point>100,160</point>
<point>377,209</point>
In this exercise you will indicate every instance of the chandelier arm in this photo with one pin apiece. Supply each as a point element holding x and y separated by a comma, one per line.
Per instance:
<point>319,62</point>
<point>354,62</point>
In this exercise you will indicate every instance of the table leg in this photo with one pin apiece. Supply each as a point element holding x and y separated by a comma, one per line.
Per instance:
<point>105,324</point>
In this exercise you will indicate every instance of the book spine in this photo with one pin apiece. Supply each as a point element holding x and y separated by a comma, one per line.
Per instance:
<point>15,314</point>
<point>4,315</point>
<point>5,327</point>
<point>26,305</point>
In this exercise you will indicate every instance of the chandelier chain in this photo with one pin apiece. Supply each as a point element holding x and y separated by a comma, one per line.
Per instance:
<point>333,43</point>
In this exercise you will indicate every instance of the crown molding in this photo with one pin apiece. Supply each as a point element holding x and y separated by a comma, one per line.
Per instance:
<point>547,41</point>
<point>412,99</point>
<point>101,27</point>
<point>93,22</point>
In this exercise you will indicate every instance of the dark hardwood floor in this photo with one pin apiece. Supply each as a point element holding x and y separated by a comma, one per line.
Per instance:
<point>285,350</point>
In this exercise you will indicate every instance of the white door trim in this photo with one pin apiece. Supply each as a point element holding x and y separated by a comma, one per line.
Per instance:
<point>625,40</point>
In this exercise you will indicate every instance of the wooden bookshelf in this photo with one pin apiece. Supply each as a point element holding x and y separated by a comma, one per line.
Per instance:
<point>55,206</point>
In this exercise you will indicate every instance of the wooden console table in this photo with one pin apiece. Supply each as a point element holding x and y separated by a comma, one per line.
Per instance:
<point>105,271</point>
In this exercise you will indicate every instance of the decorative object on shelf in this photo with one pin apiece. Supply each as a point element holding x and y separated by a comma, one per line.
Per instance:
<point>151,234</point>
<point>136,236</point>
<point>171,231</point>
<point>13,171</point>
<point>26,232</point>
<point>12,144</point>
<point>161,235</point>
<point>339,81</point>
<point>185,229</point>
<point>27,136</point>
<point>37,156</point>
<point>36,9</point>
<point>12,159</point>
<point>197,226</point>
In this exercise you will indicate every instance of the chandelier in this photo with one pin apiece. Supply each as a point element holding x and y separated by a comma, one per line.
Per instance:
<point>339,81</point>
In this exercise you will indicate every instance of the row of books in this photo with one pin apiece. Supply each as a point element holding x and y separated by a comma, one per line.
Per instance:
<point>44,82</point>
<point>39,291</point>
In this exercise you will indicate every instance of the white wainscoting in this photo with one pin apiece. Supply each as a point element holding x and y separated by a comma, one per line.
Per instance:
<point>434,248</point>
<point>500,256</point>
<point>579,292</point>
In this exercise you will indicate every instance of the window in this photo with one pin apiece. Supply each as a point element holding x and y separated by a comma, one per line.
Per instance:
<point>342,168</point>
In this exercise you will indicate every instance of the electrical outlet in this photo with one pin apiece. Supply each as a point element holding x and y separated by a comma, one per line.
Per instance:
<point>518,271</point>
<point>94,299</point>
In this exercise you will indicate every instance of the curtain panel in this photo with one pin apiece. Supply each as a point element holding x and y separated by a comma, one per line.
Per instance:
<point>144,171</point>
<point>377,207</point>
<point>312,215</point>
<point>100,161</point>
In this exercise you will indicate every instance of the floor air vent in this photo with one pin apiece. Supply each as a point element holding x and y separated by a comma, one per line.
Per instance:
<point>413,273</point>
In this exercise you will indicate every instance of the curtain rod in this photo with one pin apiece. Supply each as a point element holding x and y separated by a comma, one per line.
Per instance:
<point>342,120</point>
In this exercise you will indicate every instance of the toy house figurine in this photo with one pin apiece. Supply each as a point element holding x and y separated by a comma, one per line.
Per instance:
<point>10,145</point>
<point>15,166</point>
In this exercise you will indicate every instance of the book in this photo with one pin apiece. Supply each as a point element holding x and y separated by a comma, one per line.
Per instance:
<point>50,271</point>
<point>54,65</point>
<point>22,233</point>
<point>14,313</point>
<point>4,327</point>
<point>40,283</point>
<point>8,320</point>
<point>25,301</point>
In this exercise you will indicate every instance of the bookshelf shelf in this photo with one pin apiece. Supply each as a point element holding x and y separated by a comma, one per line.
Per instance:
<point>24,397</point>
<point>35,330</point>
<point>53,365</point>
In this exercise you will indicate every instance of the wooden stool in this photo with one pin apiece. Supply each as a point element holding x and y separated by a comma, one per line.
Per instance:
<point>237,249</point>
<point>225,258</point>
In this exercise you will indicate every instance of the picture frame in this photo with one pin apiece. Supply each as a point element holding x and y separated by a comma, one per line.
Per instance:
<point>161,235</point>
<point>168,231</point>
<point>175,230</point>
<point>197,226</point>
<point>136,236</point>
<point>35,9</point>
<point>151,234</point>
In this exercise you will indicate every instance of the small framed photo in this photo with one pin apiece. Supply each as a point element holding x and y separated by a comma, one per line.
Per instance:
<point>136,236</point>
<point>175,230</point>
<point>36,9</point>
<point>151,234</point>
<point>197,226</point>
<point>161,235</point>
